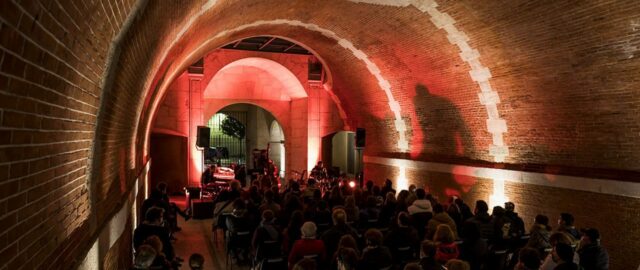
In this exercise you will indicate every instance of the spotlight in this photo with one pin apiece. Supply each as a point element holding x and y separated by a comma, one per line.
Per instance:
<point>352,184</point>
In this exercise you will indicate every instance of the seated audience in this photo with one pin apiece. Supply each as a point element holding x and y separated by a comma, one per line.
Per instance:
<point>540,232</point>
<point>307,246</point>
<point>144,258</point>
<point>196,261</point>
<point>592,255</point>
<point>528,259</point>
<point>563,256</point>
<point>375,255</point>
<point>446,248</point>
<point>554,239</point>
<point>401,237</point>
<point>456,265</point>
<point>440,217</point>
<point>153,225</point>
<point>565,224</point>
<point>428,256</point>
<point>340,227</point>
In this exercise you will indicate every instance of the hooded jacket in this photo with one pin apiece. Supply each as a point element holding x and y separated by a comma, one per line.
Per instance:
<point>420,206</point>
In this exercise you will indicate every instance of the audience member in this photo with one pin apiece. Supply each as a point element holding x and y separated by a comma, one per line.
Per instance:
<point>196,261</point>
<point>563,256</point>
<point>440,217</point>
<point>482,219</point>
<point>307,246</point>
<point>456,265</point>
<point>375,255</point>
<point>144,258</point>
<point>554,239</point>
<point>446,248</point>
<point>565,224</point>
<point>540,232</point>
<point>153,225</point>
<point>402,237</point>
<point>528,259</point>
<point>592,255</point>
<point>428,256</point>
<point>340,228</point>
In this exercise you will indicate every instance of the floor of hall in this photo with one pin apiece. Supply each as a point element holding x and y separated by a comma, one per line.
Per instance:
<point>196,237</point>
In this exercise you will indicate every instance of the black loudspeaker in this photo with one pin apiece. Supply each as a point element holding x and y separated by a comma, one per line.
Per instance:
<point>360,137</point>
<point>203,136</point>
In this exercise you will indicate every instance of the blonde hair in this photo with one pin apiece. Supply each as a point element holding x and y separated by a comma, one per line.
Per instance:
<point>444,234</point>
<point>456,264</point>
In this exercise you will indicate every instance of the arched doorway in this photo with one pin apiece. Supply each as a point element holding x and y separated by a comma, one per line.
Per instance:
<point>243,133</point>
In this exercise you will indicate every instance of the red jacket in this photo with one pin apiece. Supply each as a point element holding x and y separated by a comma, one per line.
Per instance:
<point>306,247</point>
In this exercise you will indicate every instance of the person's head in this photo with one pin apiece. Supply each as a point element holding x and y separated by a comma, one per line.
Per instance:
<point>412,188</point>
<point>267,215</point>
<point>528,259</point>
<point>456,264</point>
<point>562,253</point>
<point>144,257</point>
<point>347,258</point>
<point>509,207</point>
<point>162,186</point>
<point>268,196</point>
<point>566,219</point>
<point>154,242</point>
<point>350,201</point>
<point>339,217</point>
<point>444,234</point>
<point>196,261</point>
<point>239,204</point>
<point>305,264</point>
<point>387,183</point>
<point>403,219</point>
<point>373,237</point>
<point>559,237</point>
<point>481,207</point>
<point>420,194</point>
<point>154,215</point>
<point>541,220</point>
<point>590,236</point>
<point>438,208</point>
<point>427,249</point>
<point>412,266</point>
<point>156,194</point>
<point>296,219</point>
<point>348,241</point>
<point>498,211</point>
<point>390,198</point>
<point>369,184</point>
<point>235,185</point>
<point>308,230</point>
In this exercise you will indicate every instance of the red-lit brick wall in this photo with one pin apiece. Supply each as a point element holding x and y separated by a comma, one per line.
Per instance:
<point>615,216</point>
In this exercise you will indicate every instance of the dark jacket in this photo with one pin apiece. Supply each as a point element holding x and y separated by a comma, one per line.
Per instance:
<point>145,230</point>
<point>593,257</point>
<point>567,266</point>
<point>331,237</point>
<point>375,258</point>
<point>483,221</point>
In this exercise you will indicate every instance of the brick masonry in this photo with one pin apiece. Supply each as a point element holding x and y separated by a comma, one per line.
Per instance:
<point>565,73</point>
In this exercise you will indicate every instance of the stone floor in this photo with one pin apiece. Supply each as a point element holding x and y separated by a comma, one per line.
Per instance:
<point>196,237</point>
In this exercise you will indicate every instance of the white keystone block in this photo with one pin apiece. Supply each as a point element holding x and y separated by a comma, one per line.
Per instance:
<point>497,125</point>
<point>487,98</point>
<point>403,145</point>
<point>498,151</point>
<point>345,44</point>
<point>469,55</point>
<point>400,125</point>
<point>480,75</point>
<point>485,86</point>
<point>440,19</point>
<point>395,106</point>
<point>384,84</point>
<point>492,111</point>
<point>423,5</point>
<point>374,69</point>
<point>359,54</point>
<point>456,37</point>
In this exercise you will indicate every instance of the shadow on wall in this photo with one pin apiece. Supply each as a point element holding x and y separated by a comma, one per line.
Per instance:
<point>444,137</point>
